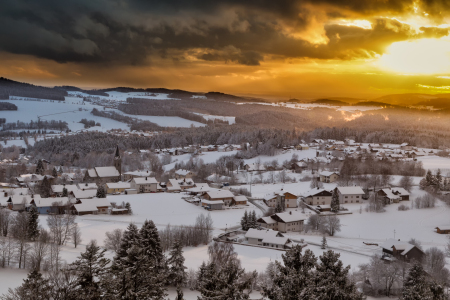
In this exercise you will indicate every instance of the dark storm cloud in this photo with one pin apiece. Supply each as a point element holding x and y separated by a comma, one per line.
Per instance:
<point>130,31</point>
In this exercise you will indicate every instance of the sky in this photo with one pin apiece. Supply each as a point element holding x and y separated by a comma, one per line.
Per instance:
<point>280,49</point>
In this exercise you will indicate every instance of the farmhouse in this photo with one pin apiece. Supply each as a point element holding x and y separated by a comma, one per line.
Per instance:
<point>46,206</point>
<point>144,184</point>
<point>289,221</point>
<point>350,194</point>
<point>135,174</point>
<point>220,195</point>
<point>20,202</point>
<point>239,200</point>
<point>328,177</point>
<point>254,167</point>
<point>268,238</point>
<point>213,204</point>
<point>318,197</point>
<point>84,209</point>
<point>284,198</point>
<point>182,174</point>
<point>117,187</point>
<point>267,222</point>
<point>402,250</point>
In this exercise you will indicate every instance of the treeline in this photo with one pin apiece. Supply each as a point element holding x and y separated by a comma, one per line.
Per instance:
<point>14,88</point>
<point>7,106</point>
<point>40,125</point>
<point>89,123</point>
<point>125,119</point>
<point>147,107</point>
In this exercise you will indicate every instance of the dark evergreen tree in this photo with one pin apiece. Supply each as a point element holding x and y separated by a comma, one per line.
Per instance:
<point>128,207</point>
<point>252,220</point>
<point>177,270</point>
<point>91,269</point>
<point>417,286</point>
<point>35,287</point>
<point>54,173</point>
<point>45,188</point>
<point>331,279</point>
<point>130,237</point>
<point>33,224</point>
<point>101,192</point>
<point>438,180</point>
<point>65,193</point>
<point>179,294</point>
<point>40,167</point>
<point>244,222</point>
<point>335,201</point>
<point>324,243</point>
<point>279,208</point>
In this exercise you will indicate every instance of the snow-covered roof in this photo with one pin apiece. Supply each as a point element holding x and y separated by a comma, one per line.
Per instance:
<point>47,202</point>
<point>19,199</point>
<point>291,216</point>
<point>92,173</point>
<point>175,186</point>
<point>88,186</point>
<point>268,220</point>
<point>199,188</point>
<point>145,180</point>
<point>118,185</point>
<point>350,190</point>
<point>85,207</point>
<point>182,172</point>
<point>390,195</point>
<point>327,173</point>
<point>400,191</point>
<point>107,172</point>
<point>138,173</point>
<point>217,194</point>
<point>314,192</point>
<point>98,202</point>
<point>240,198</point>
<point>267,235</point>
<point>86,194</point>
<point>399,246</point>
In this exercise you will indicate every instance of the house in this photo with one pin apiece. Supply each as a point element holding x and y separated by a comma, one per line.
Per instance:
<point>182,174</point>
<point>144,184</point>
<point>404,194</point>
<point>328,177</point>
<point>267,222</point>
<point>402,250</point>
<point>239,200</point>
<point>175,185</point>
<point>267,238</point>
<point>350,194</point>
<point>393,195</point>
<point>299,167</point>
<point>220,195</point>
<point>47,206</point>
<point>212,204</point>
<point>443,229</point>
<point>291,221</point>
<point>19,202</point>
<point>284,198</point>
<point>117,187</point>
<point>254,167</point>
<point>200,188</point>
<point>57,190</point>
<point>318,197</point>
<point>102,204</point>
<point>102,175</point>
<point>84,209</point>
<point>88,186</point>
<point>302,147</point>
<point>84,194</point>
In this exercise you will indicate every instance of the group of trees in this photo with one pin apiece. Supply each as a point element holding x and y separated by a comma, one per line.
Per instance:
<point>329,224</point>
<point>38,125</point>
<point>89,123</point>
<point>14,88</point>
<point>434,182</point>
<point>7,106</point>
<point>249,221</point>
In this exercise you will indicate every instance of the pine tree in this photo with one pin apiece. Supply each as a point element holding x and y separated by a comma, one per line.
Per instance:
<point>331,279</point>
<point>54,173</point>
<point>33,224</point>
<point>90,267</point>
<point>335,201</point>
<point>416,285</point>
<point>45,188</point>
<point>429,179</point>
<point>128,206</point>
<point>438,180</point>
<point>101,193</point>
<point>244,221</point>
<point>130,237</point>
<point>65,193</point>
<point>253,220</point>
<point>324,243</point>
<point>279,208</point>
<point>177,270</point>
<point>179,294</point>
<point>33,288</point>
<point>40,167</point>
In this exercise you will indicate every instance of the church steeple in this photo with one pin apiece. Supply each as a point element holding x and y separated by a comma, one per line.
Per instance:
<point>118,160</point>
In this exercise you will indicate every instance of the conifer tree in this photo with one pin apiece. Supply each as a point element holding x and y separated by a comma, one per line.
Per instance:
<point>335,201</point>
<point>324,243</point>
<point>128,206</point>
<point>253,223</point>
<point>416,285</point>
<point>65,193</point>
<point>177,270</point>
<point>40,167</point>
<point>244,221</point>
<point>179,294</point>
<point>438,180</point>
<point>130,237</point>
<point>90,267</point>
<point>33,224</point>
<point>429,179</point>
<point>45,188</point>
<point>331,279</point>
<point>101,193</point>
<point>34,287</point>
<point>54,173</point>
<point>279,208</point>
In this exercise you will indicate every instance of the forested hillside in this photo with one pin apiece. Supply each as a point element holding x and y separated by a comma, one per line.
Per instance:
<point>19,89</point>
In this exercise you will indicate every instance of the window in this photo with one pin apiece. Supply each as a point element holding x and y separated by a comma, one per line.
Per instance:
<point>357,197</point>
<point>346,197</point>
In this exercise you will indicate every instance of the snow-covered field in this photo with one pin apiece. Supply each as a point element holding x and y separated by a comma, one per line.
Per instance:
<point>122,97</point>
<point>436,162</point>
<point>231,120</point>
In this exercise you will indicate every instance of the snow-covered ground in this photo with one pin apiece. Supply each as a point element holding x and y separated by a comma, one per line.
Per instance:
<point>436,162</point>
<point>164,121</point>
<point>347,108</point>
<point>231,120</point>
<point>122,97</point>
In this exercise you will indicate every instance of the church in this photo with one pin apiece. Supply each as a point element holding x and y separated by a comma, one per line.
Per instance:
<point>102,175</point>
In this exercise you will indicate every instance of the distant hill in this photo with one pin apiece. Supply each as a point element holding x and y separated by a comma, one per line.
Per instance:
<point>329,102</point>
<point>227,97</point>
<point>436,103</point>
<point>405,99</point>
<point>376,103</point>
<point>19,89</point>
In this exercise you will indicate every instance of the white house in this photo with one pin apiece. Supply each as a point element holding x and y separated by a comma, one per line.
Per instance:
<point>350,194</point>
<point>268,238</point>
<point>144,184</point>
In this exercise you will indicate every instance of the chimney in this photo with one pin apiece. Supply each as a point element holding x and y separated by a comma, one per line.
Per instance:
<point>145,178</point>
<point>290,212</point>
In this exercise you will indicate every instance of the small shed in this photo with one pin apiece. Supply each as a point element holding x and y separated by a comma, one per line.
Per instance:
<point>212,204</point>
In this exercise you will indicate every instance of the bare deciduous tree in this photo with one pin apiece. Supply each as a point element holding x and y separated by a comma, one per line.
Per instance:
<point>113,239</point>
<point>61,227</point>
<point>19,230</point>
<point>331,224</point>
<point>76,235</point>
